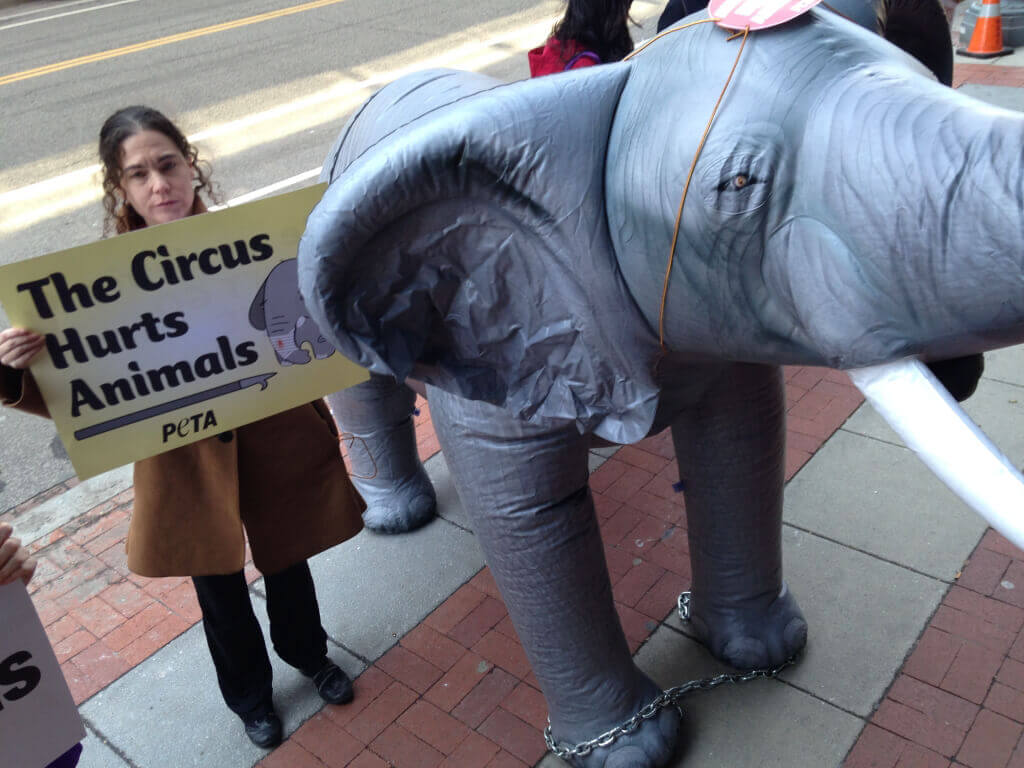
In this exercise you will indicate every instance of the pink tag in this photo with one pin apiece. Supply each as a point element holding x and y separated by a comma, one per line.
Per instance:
<point>757,14</point>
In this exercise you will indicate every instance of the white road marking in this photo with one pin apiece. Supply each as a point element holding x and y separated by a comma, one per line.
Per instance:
<point>270,189</point>
<point>59,15</point>
<point>34,11</point>
<point>24,206</point>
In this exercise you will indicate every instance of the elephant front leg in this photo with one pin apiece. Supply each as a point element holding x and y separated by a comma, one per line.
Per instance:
<point>525,490</point>
<point>731,453</point>
<point>386,467</point>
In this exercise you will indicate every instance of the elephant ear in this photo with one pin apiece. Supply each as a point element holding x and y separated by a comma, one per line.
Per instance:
<point>397,105</point>
<point>463,241</point>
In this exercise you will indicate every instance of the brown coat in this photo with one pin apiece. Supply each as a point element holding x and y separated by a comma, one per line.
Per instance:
<point>281,478</point>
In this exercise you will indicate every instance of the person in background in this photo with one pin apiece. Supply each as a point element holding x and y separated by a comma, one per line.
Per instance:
<point>677,9</point>
<point>280,481</point>
<point>590,32</point>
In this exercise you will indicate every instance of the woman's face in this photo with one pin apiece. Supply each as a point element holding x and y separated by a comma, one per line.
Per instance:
<point>156,178</point>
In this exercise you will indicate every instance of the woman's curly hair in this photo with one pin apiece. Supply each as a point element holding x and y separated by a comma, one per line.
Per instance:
<point>601,26</point>
<point>120,216</point>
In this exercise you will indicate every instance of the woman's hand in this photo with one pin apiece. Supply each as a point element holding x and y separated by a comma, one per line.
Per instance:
<point>18,346</point>
<point>15,561</point>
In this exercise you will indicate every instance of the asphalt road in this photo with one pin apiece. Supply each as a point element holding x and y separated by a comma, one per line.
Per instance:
<point>262,86</point>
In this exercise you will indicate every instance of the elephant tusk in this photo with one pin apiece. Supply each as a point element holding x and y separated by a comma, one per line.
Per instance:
<point>930,422</point>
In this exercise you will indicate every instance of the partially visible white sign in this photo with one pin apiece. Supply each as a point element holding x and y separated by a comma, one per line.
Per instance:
<point>38,718</point>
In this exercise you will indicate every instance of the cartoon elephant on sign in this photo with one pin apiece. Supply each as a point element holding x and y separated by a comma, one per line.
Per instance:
<point>376,417</point>
<point>278,309</point>
<point>567,256</point>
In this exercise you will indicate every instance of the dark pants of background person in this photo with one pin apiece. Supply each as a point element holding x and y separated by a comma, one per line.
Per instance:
<point>677,9</point>
<point>236,641</point>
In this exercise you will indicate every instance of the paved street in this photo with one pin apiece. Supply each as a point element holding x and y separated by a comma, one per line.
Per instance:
<point>263,87</point>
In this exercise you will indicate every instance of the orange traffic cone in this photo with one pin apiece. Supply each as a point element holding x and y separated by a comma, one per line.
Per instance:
<point>987,38</point>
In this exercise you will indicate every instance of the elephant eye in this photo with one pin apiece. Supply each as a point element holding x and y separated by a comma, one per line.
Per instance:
<point>734,191</point>
<point>739,171</point>
<point>737,182</point>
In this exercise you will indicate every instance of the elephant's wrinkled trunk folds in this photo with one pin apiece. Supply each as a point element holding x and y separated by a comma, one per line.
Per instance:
<point>971,300</point>
<point>926,267</point>
<point>908,238</point>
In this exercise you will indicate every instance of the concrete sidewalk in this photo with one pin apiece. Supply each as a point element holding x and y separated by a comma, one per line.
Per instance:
<point>916,612</point>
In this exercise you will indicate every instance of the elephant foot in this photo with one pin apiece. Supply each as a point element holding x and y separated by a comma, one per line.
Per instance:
<point>753,634</point>
<point>399,507</point>
<point>375,420</point>
<point>388,473</point>
<point>651,745</point>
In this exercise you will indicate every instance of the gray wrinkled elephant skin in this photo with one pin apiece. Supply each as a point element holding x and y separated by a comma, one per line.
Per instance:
<point>279,310</point>
<point>375,420</point>
<point>508,243</point>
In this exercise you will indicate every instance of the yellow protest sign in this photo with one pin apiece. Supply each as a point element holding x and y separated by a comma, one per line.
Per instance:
<point>174,333</point>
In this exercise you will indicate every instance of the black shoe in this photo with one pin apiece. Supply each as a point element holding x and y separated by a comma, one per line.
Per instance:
<point>333,685</point>
<point>264,730</point>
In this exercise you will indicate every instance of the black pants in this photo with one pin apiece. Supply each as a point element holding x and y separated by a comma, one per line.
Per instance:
<point>236,641</point>
<point>677,9</point>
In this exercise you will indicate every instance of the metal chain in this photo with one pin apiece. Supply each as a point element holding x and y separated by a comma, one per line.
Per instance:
<point>670,697</point>
<point>683,606</point>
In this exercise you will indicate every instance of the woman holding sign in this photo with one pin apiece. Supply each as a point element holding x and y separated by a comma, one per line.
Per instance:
<point>281,479</point>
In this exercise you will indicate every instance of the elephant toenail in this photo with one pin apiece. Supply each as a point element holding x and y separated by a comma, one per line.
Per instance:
<point>745,653</point>
<point>795,634</point>
<point>628,757</point>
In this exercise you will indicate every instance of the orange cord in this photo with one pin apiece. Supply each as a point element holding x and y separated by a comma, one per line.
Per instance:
<point>666,32</point>
<point>693,166</point>
<point>350,439</point>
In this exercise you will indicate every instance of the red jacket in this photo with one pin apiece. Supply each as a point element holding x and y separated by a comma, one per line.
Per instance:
<point>553,57</point>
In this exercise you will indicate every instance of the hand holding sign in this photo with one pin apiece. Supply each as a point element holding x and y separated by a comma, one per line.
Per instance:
<point>38,718</point>
<point>15,560</point>
<point>18,346</point>
<point>140,329</point>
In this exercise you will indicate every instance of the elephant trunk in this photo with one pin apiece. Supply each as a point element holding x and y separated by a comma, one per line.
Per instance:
<point>972,212</point>
<point>931,269</point>
<point>912,246</point>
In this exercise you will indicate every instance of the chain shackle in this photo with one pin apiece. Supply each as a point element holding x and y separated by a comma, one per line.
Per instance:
<point>671,697</point>
<point>683,606</point>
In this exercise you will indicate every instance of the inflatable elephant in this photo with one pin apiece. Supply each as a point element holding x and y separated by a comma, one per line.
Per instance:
<point>277,308</point>
<point>526,249</point>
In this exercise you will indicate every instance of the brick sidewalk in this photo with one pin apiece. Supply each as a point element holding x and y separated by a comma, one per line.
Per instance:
<point>960,694</point>
<point>987,74</point>
<point>101,619</point>
<point>457,691</point>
